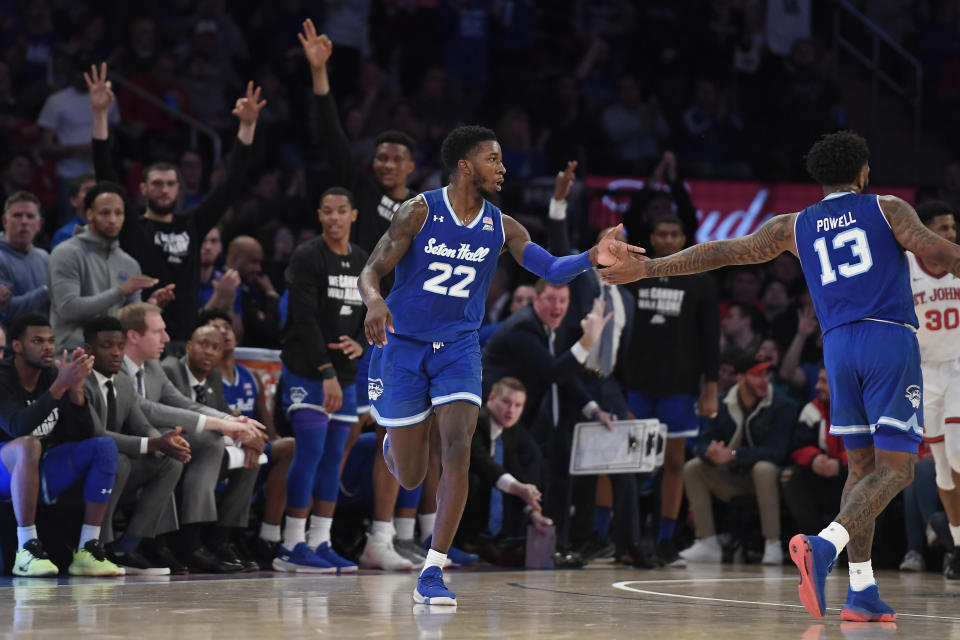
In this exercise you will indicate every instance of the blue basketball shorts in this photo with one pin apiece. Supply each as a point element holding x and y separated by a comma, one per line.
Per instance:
<point>407,378</point>
<point>360,386</point>
<point>876,386</point>
<point>677,411</point>
<point>297,392</point>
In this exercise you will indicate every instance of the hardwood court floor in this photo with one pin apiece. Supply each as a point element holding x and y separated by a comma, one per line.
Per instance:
<point>739,602</point>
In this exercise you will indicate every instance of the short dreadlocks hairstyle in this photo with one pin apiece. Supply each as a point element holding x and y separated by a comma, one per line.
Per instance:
<point>461,142</point>
<point>837,158</point>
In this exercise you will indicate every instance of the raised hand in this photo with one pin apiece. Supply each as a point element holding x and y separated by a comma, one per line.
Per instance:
<point>163,296</point>
<point>593,323</point>
<point>565,180</point>
<point>72,374</point>
<point>350,347</point>
<point>317,48</point>
<point>807,321</point>
<point>101,91</point>
<point>249,106</point>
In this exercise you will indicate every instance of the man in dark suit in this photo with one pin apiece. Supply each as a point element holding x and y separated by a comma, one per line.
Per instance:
<point>196,376</point>
<point>149,463</point>
<point>504,469</point>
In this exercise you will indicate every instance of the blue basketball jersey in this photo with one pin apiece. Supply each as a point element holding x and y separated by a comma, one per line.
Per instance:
<point>242,394</point>
<point>854,266</point>
<point>442,281</point>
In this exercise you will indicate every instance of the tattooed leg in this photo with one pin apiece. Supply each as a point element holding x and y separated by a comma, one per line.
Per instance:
<point>875,478</point>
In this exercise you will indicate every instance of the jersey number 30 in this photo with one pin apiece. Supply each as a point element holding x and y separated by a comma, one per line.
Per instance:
<point>457,290</point>
<point>860,249</point>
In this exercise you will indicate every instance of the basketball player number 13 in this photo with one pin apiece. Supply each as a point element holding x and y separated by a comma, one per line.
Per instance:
<point>860,249</point>
<point>458,289</point>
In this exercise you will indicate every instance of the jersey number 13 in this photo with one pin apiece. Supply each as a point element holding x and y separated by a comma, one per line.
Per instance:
<point>861,251</point>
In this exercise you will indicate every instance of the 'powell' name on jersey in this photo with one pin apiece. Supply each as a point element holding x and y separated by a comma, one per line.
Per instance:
<point>463,253</point>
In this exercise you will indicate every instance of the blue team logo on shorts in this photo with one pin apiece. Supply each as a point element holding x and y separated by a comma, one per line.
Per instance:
<point>374,388</point>
<point>913,395</point>
<point>298,395</point>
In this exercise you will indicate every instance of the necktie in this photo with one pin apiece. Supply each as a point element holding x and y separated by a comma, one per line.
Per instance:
<point>140,383</point>
<point>201,392</point>
<point>554,391</point>
<point>111,406</point>
<point>606,337</point>
<point>495,523</point>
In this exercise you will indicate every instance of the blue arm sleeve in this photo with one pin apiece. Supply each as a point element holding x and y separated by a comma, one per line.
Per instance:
<point>554,270</point>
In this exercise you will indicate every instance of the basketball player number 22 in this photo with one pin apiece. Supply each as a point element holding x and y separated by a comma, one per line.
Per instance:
<point>457,290</point>
<point>861,250</point>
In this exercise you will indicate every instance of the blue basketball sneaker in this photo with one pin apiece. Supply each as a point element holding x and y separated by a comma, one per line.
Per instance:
<point>814,557</point>
<point>301,559</point>
<point>866,606</point>
<point>457,557</point>
<point>431,590</point>
<point>325,552</point>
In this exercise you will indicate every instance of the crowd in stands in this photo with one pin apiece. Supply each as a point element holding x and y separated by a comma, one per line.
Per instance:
<point>134,263</point>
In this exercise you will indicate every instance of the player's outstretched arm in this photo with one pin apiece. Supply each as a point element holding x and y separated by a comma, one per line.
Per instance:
<point>914,236</point>
<point>391,247</point>
<point>559,270</point>
<point>766,243</point>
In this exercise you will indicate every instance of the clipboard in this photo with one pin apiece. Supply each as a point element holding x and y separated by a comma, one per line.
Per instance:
<point>633,446</point>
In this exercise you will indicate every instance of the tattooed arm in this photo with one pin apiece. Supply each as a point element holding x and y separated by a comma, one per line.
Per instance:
<point>914,236</point>
<point>766,243</point>
<point>406,223</point>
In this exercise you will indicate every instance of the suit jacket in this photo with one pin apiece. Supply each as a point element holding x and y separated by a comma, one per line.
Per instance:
<point>519,348</point>
<point>131,424</point>
<point>176,370</point>
<point>164,406</point>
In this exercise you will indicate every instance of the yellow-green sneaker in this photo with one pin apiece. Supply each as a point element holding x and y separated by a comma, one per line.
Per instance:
<point>92,561</point>
<point>32,561</point>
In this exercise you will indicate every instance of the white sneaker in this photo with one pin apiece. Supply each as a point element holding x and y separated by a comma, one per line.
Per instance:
<point>380,554</point>
<point>772,553</point>
<point>913,561</point>
<point>704,550</point>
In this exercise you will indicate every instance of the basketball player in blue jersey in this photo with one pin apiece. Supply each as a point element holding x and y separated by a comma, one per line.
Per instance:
<point>444,245</point>
<point>851,248</point>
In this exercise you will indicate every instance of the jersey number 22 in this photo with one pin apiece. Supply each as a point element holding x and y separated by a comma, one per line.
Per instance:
<point>458,289</point>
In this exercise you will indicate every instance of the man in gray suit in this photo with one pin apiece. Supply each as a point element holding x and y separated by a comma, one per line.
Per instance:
<point>165,406</point>
<point>149,463</point>
<point>197,377</point>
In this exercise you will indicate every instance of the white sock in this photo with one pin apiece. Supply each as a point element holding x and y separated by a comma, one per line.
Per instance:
<point>405,527</point>
<point>955,534</point>
<point>270,532</point>
<point>861,575</point>
<point>319,531</point>
<point>88,532</point>
<point>426,521</point>
<point>836,534</point>
<point>294,532</point>
<point>434,559</point>
<point>382,531</point>
<point>26,534</point>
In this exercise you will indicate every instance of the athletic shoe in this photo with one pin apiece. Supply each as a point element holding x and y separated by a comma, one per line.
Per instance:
<point>325,552</point>
<point>597,549</point>
<point>704,550</point>
<point>913,561</point>
<point>940,525</point>
<point>814,557</point>
<point>32,561</point>
<point>431,590</point>
<point>667,556</point>
<point>301,560</point>
<point>410,550</point>
<point>92,561</point>
<point>458,557</point>
<point>133,563</point>
<point>952,572</point>
<point>380,554</point>
<point>265,551</point>
<point>866,606</point>
<point>772,553</point>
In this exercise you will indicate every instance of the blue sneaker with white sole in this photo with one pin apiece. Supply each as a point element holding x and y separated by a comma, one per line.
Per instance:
<point>325,552</point>
<point>866,606</point>
<point>431,589</point>
<point>814,557</point>
<point>457,557</point>
<point>301,559</point>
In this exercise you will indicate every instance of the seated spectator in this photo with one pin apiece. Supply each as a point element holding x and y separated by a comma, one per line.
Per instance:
<point>191,178</point>
<point>50,442</point>
<point>160,82</point>
<point>520,151</point>
<point>76,193</point>
<point>739,453</point>
<point>504,470</point>
<point>651,203</point>
<point>521,297</point>
<point>24,268</point>
<point>146,480</point>
<point>709,132</point>
<point>634,128</point>
<point>218,290</point>
<point>90,275</point>
<point>261,322</point>
<point>775,299</point>
<point>813,484</point>
<point>740,331</point>
<point>745,284</point>
<point>796,371</point>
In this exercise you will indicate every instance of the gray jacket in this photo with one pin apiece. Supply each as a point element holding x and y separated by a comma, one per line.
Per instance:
<point>86,272</point>
<point>26,274</point>
<point>132,426</point>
